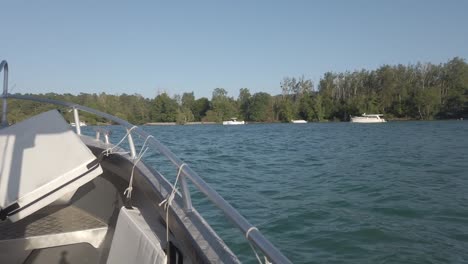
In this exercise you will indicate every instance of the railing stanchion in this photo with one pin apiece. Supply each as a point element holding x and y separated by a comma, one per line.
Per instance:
<point>131,144</point>
<point>98,134</point>
<point>4,67</point>
<point>77,121</point>
<point>186,194</point>
<point>106,137</point>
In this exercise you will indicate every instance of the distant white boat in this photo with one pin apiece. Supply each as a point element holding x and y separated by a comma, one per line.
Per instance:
<point>81,124</point>
<point>299,121</point>
<point>368,118</point>
<point>233,121</point>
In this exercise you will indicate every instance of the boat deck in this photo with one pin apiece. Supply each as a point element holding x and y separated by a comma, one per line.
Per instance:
<point>51,227</point>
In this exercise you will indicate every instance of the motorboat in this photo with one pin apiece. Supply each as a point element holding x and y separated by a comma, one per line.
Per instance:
<point>70,198</point>
<point>368,118</point>
<point>299,121</point>
<point>81,124</point>
<point>233,121</point>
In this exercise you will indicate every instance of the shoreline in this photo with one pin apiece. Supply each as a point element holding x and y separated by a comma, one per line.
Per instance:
<point>255,123</point>
<point>175,123</point>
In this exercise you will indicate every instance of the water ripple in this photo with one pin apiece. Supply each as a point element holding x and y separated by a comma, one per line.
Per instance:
<point>337,192</point>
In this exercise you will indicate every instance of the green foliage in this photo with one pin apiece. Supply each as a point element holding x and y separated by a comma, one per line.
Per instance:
<point>200,107</point>
<point>164,109</point>
<point>244,103</point>
<point>261,108</point>
<point>224,107</point>
<point>185,113</point>
<point>284,110</point>
<point>212,116</point>
<point>419,91</point>
<point>317,108</point>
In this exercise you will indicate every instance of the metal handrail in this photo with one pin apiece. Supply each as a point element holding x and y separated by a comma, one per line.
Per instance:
<point>4,67</point>
<point>254,235</point>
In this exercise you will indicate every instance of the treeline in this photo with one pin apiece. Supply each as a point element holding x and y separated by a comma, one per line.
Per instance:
<point>420,91</point>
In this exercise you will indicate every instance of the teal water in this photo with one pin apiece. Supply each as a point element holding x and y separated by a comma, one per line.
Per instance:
<point>335,192</point>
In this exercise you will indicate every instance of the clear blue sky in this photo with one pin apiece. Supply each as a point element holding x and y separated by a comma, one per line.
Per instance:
<point>181,46</point>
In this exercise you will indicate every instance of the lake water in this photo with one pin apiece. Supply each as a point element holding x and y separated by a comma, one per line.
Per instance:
<point>335,192</point>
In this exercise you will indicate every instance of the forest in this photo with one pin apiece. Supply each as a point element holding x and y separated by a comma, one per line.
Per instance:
<point>421,91</point>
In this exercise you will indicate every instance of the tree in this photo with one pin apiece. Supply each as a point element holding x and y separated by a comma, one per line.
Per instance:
<point>200,107</point>
<point>318,111</point>
<point>184,115</point>
<point>455,90</point>
<point>211,116</point>
<point>188,101</point>
<point>284,110</point>
<point>426,102</point>
<point>244,103</point>
<point>164,109</point>
<point>261,109</point>
<point>420,91</point>
<point>306,108</point>
<point>223,106</point>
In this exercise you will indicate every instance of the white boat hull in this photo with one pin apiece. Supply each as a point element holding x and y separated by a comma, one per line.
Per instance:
<point>81,124</point>
<point>360,119</point>
<point>298,121</point>
<point>232,123</point>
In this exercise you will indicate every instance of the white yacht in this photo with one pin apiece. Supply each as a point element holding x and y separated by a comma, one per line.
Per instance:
<point>299,121</point>
<point>233,121</point>
<point>368,118</point>
<point>81,124</point>
<point>70,198</point>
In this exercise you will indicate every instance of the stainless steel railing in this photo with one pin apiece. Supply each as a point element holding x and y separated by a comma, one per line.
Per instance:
<point>4,67</point>
<point>254,235</point>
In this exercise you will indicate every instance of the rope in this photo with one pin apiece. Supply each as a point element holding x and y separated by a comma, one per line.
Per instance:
<point>253,248</point>
<point>129,189</point>
<point>168,201</point>
<point>136,159</point>
<point>109,151</point>
<point>140,155</point>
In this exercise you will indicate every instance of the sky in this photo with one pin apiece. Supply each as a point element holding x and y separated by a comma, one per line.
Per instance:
<point>148,47</point>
